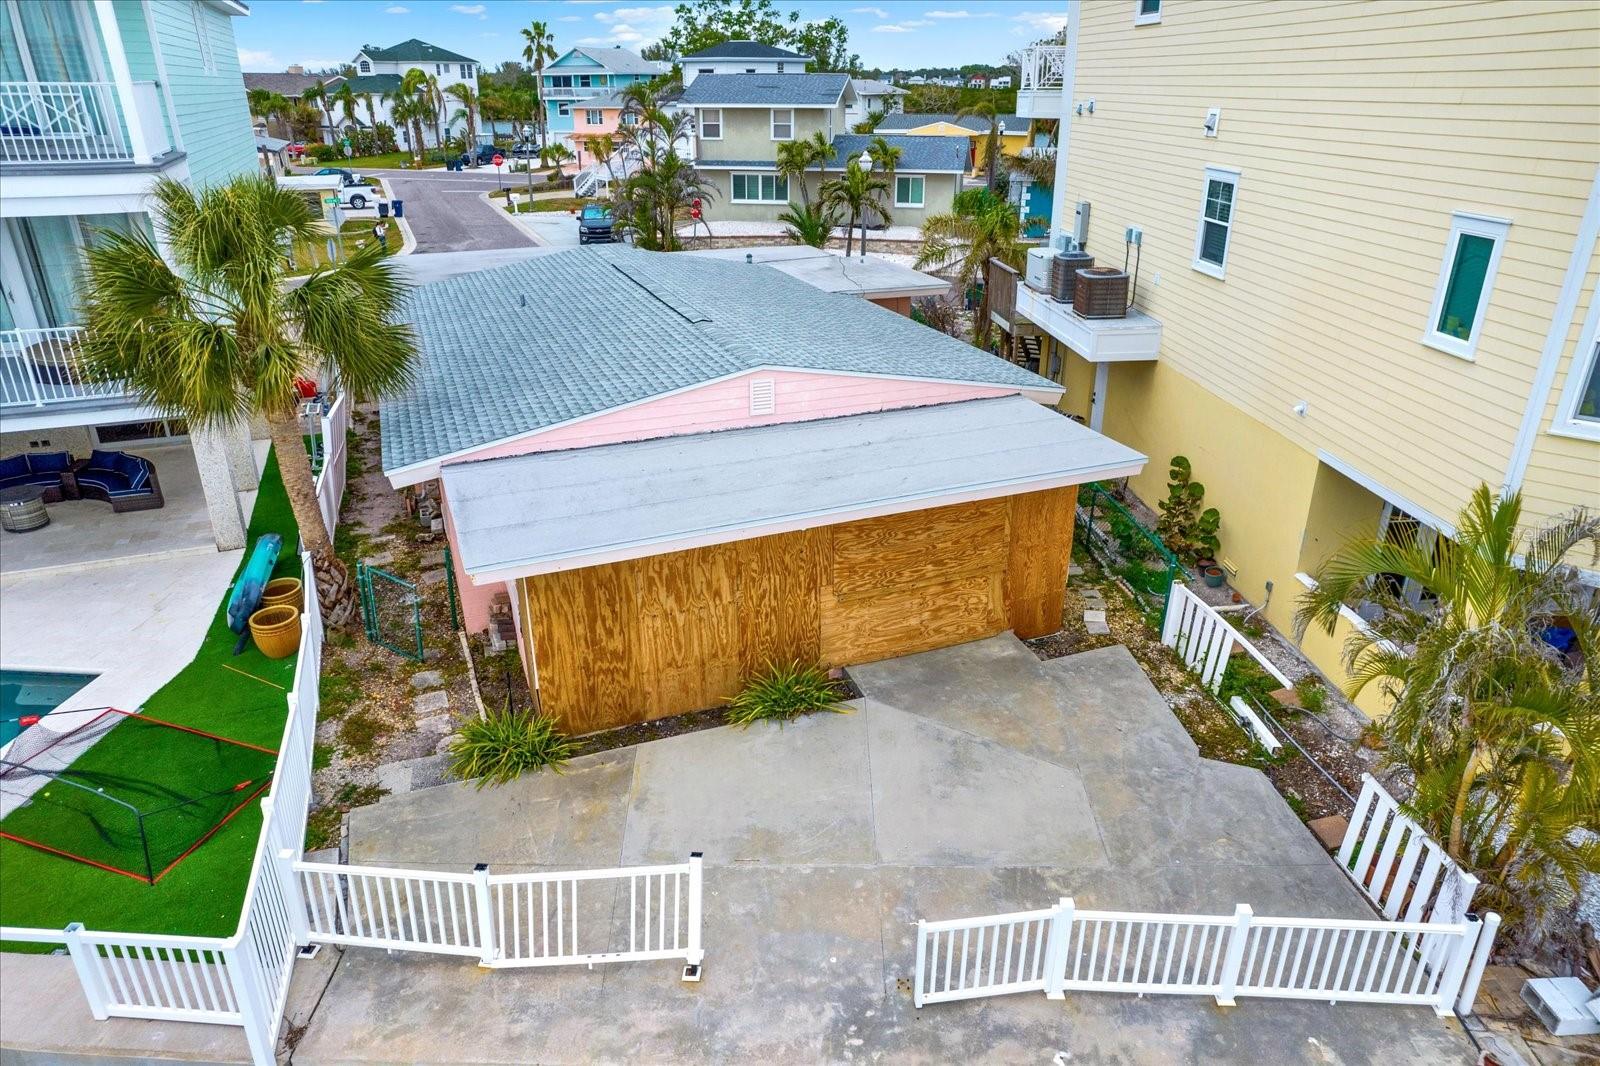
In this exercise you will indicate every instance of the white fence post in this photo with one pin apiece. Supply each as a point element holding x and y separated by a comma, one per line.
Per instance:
<point>293,900</point>
<point>1480,959</point>
<point>1055,951</point>
<point>254,1013</point>
<point>922,963</point>
<point>480,893</point>
<point>1455,970</point>
<point>1228,980</point>
<point>695,954</point>
<point>91,973</point>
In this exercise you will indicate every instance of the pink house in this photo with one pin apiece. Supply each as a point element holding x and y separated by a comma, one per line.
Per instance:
<point>709,403</point>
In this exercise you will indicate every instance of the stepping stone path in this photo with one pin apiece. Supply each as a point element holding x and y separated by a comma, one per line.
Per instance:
<point>426,679</point>
<point>433,577</point>
<point>430,703</point>
<point>1094,611</point>
<point>380,559</point>
<point>433,559</point>
<point>438,723</point>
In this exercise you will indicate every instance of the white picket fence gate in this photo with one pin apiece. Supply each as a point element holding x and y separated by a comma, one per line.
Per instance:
<point>330,479</point>
<point>502,919</point>
<point>1204,640</point>
<point>1062,949</point>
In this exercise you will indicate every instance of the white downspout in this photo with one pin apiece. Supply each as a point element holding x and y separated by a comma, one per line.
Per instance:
<point>122,74</point>
<point>1059,223</point>
<point>1097,402</point>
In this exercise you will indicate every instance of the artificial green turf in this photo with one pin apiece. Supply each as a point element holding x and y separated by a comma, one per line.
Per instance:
<point>202,895</point>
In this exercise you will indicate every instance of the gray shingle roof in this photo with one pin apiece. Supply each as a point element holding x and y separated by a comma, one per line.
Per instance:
<point>916,153</point>
<point>873,87</point>
<point>976,123</point>
<point>616,59</point>
<point>761,90</point>
<point>744,50</point>
<point>286,84</point>
<point>525,346</point>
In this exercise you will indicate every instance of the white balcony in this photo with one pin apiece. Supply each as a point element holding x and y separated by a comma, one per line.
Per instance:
<point>52,123</point>
<point>40,370</point>
<point>575,92</point>
<point>1039,91</point>
<point>1134,338</point>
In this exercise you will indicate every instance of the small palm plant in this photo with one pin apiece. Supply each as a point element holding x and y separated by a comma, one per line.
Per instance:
<point>857,193</point>
<point>782,694</point>
<point>964,241</point>
<point>503,745</point>
<point>810,224</point>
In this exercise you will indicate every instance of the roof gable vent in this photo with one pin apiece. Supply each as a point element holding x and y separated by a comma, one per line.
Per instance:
<point>763,396</point>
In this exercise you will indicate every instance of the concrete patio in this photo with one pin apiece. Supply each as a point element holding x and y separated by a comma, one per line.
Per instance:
<point>967,781</point>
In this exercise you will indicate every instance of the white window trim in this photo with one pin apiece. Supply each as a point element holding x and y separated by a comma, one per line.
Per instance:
<point>1585,361</point>
<point>1232,176</point>
<point>772,123</point>
<point>589,114</point>
<point>757,175</point>
<point>910,203</point>
<point>704,111</point>
<point>202,33</point>
<point>1142,19</point>
<point>1464,223</point>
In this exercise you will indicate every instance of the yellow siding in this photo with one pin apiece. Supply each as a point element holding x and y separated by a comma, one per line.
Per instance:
<point>1564,471</point>
<point>1358,128</point>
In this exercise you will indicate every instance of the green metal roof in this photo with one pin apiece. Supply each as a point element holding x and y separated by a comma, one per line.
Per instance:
<point>414,50</point>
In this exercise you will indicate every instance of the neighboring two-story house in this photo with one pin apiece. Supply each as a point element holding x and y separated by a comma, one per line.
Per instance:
<point>873,97</point>
<point>100,100</point>
<point>585,74</point>
<point>1014,135</point>
<point>741,119</point>
<point>1355,302</point>
<point>379,72</point>
<point>742,57</point>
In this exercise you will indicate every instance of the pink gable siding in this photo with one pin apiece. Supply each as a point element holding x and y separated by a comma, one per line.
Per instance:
<point>799,397</point>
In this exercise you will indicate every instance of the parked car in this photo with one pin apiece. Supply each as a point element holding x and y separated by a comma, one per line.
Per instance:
<point>316,186</point>
<point>525,150</point>
<point>486,154</point>
<point>596,224</point>
<point>349,177</point>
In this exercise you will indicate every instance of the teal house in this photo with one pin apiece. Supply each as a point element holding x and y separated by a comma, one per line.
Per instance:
<point>585,74</point>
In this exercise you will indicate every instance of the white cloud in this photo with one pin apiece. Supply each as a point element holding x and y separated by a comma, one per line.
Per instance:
<point>252,59</point>
<point>876,12</point>
<point>1039,21</point>
<point>467,9</point>
<point>570,18</point>
<point>901,27</point>
<point>961,14</point>
<point>632,25</point>
<point>397,10</point>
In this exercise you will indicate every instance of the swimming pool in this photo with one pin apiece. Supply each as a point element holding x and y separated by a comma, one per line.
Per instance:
<point>30,692</point>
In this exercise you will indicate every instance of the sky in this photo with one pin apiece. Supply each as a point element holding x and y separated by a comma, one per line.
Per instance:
<point>885,33</point>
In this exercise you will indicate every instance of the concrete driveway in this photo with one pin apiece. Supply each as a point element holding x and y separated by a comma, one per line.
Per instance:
<point>445,211</point>
<point>968,781</point>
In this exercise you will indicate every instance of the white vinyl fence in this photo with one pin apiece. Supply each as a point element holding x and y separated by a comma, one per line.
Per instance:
<point>1434,964</point>
<point>330,480</point>
<point>1204,640</point>
<point>1397,865</point>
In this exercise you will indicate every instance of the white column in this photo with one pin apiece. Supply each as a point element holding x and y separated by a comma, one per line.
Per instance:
<point>241,456</point>
<point>216,481</point>
<point>1060,217</point>
<point>122,74</point>
<point>1097,402</point>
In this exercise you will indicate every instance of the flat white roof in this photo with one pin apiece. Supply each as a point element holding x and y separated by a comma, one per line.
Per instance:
<point>868,276</point>
<point>561,510</point>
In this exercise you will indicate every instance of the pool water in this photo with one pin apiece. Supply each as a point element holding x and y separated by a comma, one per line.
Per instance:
<point>29,692</point>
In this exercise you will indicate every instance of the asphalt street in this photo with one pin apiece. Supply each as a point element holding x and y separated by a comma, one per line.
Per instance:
<point>446,214</point>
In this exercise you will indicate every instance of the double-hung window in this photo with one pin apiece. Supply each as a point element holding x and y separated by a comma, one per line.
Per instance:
<point>1146,12</point>
<point>782,124</point>
<point>760,189</point>
<point>711,124</point>
<point>1215,232</point>
<point>908,190</point>
<point>592,116</point>
<point>1466,278</point>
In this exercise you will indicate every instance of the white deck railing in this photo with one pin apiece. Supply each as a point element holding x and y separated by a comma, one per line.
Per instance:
<point>1204,640</point>
<point>1062,949</point>
<point>1397,865</point>
<point>40,368</point>
<point>61,122</point>
<point>331,478</point>
<point>1042,67</point>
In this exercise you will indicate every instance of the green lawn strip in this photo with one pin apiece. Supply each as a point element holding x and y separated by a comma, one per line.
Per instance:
<point>355,234</point>
<point>202,895</point>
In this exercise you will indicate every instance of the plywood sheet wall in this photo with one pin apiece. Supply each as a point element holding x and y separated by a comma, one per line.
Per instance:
<point>642,639</point>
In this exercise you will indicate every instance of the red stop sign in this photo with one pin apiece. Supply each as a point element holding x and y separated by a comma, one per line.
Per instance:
<point>498,160</point>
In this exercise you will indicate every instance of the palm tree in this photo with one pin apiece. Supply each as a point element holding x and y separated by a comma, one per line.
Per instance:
<point>870,123</point>
<point>372,113</point>
<point>260,101</point>
<point>887,156</point>
<point>603,147</point>
<point>317,96</point>
<point>664,186</point>
<point>794,159</point>
<point>556,155</point>
<point>1500,732</point>
<point>435,98</point>
<point>991,143</point>
<point>411,106</point>
<point>808,224</point>
<point>966,243</point>
<point>538,49</point>
<point>858,191</point>
<point>217,336</point>
<point>468,110</point>
<point>822,153</point>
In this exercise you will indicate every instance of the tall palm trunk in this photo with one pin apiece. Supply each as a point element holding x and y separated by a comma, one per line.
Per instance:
<point>335,595</point>
<point>850,236</point>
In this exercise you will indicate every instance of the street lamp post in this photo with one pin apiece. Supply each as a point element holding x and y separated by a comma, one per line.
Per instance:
<point>866,168</point>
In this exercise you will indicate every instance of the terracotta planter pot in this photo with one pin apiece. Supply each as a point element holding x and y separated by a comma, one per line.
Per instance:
<point>283,592</point>
<point>276,630</point>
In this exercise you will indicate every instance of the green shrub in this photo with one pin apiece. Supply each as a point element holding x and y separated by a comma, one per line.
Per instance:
<point>1142,578</point>
<point>505,745</point>
<point>783,693</point>
<point>1313,696</point>
<point>1244,677</point>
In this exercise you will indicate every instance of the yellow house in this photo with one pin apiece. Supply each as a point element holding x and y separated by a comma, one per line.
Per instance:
<point>1013,135</point>
<point>1364,241</point>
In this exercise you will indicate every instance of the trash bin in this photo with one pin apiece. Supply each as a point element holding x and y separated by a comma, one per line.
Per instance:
<point>399,208</point>
<point>383,209</point>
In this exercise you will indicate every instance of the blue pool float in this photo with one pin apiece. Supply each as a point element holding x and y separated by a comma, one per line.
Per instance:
<point>247,590</point>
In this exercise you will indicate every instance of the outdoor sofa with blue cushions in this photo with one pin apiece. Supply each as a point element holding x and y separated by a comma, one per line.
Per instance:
<point>126,481</point>
<point>40,469</point>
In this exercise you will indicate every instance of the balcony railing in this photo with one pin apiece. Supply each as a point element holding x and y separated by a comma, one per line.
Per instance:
<point>40,368</point>
<point>574,92</point>
<point>45,122</point>
<point>1043,66</point>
